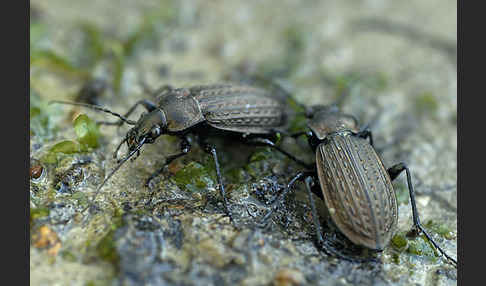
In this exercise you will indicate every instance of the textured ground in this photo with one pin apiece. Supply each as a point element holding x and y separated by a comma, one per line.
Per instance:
<point>394,61</point>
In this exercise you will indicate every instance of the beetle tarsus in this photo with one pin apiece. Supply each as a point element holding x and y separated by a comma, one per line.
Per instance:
<point>269,143</point>
<point>208,148</point>
<point>280,198</point>
<point>329,250</point>
<point>321,241</point>
<point>396,170</point>
<point>185,148</point>
<point>147,89</point>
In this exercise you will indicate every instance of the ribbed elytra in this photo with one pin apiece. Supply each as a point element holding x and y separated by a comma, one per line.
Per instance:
<point>355,184</point>
<point>242,109</point>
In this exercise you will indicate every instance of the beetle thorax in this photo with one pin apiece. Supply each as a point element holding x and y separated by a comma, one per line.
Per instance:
<point>182,111</point>
<point>325,122</point>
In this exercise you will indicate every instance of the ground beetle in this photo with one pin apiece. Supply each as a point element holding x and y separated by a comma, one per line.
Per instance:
<point>354,184</point>
<point>249,114</point>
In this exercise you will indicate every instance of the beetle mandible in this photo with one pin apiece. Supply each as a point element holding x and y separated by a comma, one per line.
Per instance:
<point>253,115</point>
<point>354,183</point>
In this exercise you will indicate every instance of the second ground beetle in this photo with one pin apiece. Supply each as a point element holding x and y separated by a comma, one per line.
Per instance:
<point>354,183</point>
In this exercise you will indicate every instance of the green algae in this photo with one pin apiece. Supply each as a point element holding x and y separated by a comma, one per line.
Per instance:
<point>417,246</point>
<point>86,131</point>
<point>38,32</point>
<point>36,213</point>
<point>66,147</point>
<point>118,65</point>
<point>375,82</point>
<point>68,256</point>
<point>421,246</point>
<point>399,242</point>
<point>106,247</point>
<point>258,165</point>
<point>87,134</point>
<point>118,51</point>
<point>81,198</point>
<point>93,45</point>
<point>298,123</point>
<point>440,228</point>
<point>42,55</point>
<point>402,193</point>
<point>193,177</point>
<point>55,62</point>
<point>294,36</point>
<point>41,117</point>
<point>426,103</point>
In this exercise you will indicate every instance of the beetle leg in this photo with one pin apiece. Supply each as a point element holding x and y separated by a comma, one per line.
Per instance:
<point>279,199</point>
<point>298,134</point>
<point>309,181</point>
<point>208,148</point>
<point>396,170</point>
<point>331,251</point>
<point>147,89</point>
<point>267,142</point>
<point>366,133</point>
<point>185,148</point>
<point>279,131</point>
<point>144,102</point>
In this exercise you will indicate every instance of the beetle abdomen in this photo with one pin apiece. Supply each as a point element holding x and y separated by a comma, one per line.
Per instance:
<point>357,190</point>
<point>241,109</point>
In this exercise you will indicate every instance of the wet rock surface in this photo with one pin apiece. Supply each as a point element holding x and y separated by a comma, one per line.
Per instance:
<point>393,65</point>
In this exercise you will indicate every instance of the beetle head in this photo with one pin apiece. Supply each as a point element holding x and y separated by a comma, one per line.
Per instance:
<point>150,126</point>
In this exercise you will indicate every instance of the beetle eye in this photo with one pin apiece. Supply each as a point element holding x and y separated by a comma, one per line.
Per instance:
<point>155,131</point>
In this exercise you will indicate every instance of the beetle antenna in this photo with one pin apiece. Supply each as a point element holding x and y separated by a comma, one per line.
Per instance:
<point>288,95</point>
<point>137,149</point>
<point>266,81</point>
<point>98,108</point>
